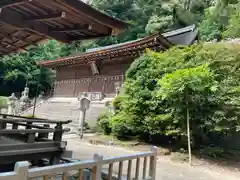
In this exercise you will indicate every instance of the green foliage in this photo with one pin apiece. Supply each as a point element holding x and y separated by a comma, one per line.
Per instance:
<point>176,84</point>
<point>3,102</point>
<point>214,152</point>
<point>86,125</point>
<point>233,28</point>
<point>209,28</point>
<point>19,69</point>
<point>104,124</point>
<point>119,125</point>
<point>217,17</point>
<point>144,16</point>
<point>158,85</point>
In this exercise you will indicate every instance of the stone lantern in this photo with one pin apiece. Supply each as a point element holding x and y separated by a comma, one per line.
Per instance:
<point>84,106</point>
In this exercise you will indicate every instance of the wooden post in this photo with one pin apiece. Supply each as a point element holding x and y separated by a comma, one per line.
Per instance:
<point>144,168</point>
<point>129,170</point>
<point>137,169</point>
<point>3,125</point>
<point>120,169</point>
<point>153,164</point>
<point>97,170</point>
<point>31,138</point>
<point>44,135</point>
<point>58,135</point>
<point>21,169</point>
<point>110,171</point>
<point>15,126</point>
<point>29,125</point>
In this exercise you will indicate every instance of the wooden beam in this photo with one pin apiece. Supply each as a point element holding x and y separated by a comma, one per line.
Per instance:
<point>14,19</point>
<point>85,10</point>
<point>11,3</point>
<point>11,37</point>
<point>76,16</point>
<point>4,50</point>
<point>74,29</point>
<point>25,40</point>
<point>31,131</point>
<point>36,145</point>
<point>6,36</point>
<point>17,48</point>
<point>47,17</point>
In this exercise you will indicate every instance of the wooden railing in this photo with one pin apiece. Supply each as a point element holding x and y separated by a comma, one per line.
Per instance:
<point>33,139</point>
<point>144,168</point>
<point>31,129</point>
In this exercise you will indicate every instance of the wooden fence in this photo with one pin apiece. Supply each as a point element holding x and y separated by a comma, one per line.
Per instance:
<point>144,168</point>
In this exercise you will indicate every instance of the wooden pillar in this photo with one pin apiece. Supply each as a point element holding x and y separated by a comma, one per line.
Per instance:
<point>94,68</point>
<point>75,83</point>
<point>57,136</point>
<point>104,86</point>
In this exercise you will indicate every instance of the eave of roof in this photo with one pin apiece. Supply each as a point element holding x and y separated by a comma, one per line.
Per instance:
<point>137,45</point>
<point>26,22</point>
<point>183,36</point>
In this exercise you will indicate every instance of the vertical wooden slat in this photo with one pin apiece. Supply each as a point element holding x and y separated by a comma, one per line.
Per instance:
<point>129,170</point>
<point>80,174</point>
<point>120,169</point>
<point>31,138</point>
<point>44,135</point>
<point>97,170</point>
<point>94,173</point>
<point>21,170</point>
<point>110,171</point>
<point>29,125</point>
<point>15,126</point>
<point>64,176</point>
<point>153,163</point>
<point>45,177</point>
<point>137,169</point>
<point>144,167</point>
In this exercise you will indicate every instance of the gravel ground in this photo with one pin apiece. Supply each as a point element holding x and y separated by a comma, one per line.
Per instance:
<point>166,169</point>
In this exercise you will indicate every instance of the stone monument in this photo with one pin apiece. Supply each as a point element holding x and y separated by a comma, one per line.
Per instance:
<point>24,100</point>
<point>12,104</point>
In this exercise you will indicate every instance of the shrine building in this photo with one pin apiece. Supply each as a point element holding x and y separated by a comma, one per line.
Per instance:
<point>99,70</point>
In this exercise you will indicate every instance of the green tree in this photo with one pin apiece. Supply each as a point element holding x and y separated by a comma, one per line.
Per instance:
<point>210,28</point>
<point>233,27</point>
<point>184,90</point>
<point>214,112</point>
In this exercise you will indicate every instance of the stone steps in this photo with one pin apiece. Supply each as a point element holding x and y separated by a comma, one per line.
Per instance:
<point>68,109</point>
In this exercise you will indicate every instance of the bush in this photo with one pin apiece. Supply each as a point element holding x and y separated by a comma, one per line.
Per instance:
<point>3,102</point>
<point>104,124</point>
<point>209,73</point>
<point>86,125</point>
<point>120,126</point>
<point>117,102</point>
